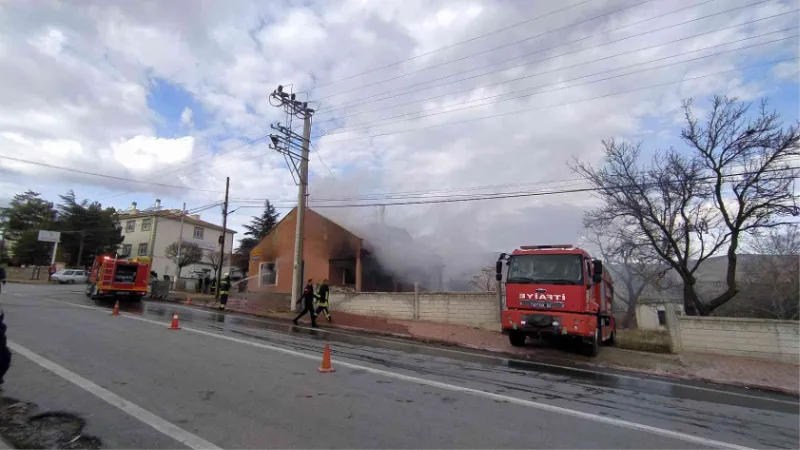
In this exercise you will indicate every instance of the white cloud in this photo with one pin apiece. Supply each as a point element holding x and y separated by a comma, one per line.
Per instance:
<point>75,82</point>
<point>143,153</point>
<point>187,117</point>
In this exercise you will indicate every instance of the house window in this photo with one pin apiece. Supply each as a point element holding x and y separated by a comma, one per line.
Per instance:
<point>198,232</point>
<point>143,249</point>
<point>130,226</point>
<point>662,318</point>
<point>146,224</point>
<point>126,250</point>
<point>268,272</point>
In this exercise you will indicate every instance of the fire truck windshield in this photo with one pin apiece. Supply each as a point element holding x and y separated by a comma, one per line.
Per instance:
<point>546,269</point>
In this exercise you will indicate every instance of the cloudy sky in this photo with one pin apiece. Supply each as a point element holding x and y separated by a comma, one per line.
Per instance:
<point>421,99</point>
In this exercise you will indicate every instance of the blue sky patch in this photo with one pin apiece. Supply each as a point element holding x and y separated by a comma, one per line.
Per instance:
<point>168,100</point>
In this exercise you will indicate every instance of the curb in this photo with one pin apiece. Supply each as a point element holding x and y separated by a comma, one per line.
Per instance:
<point>510,355</point>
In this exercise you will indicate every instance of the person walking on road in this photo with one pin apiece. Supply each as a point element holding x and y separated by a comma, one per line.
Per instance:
<point>224,287</point>
<point>308,304</point>
<point>2,277</point>
<point>323,306</point>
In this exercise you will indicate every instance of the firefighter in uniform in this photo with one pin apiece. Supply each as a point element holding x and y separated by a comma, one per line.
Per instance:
<point>224,287</point>
<point>323,306</point>
<point>307,297</point>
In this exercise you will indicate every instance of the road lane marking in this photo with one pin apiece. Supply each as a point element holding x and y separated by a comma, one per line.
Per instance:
<point>455,388</point>
<point>115,400</point>
<point>537,363</point>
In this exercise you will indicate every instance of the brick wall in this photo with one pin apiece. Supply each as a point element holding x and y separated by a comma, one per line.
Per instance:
<point>776,340</point>
<point>473,309</point>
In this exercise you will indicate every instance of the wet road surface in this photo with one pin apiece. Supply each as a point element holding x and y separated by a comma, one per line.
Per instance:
<point>246,382</point>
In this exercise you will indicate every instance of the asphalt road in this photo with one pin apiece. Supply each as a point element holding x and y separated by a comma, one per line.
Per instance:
<point>237,382</point>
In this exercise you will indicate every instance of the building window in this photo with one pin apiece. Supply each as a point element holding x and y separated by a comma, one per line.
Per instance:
<point>126,250</point>
<point>130,226</point>
<point>268,272</point>
<point>146,224</point>
<point>143,249</point>
<point>662,318</point>
<point>198,232</point>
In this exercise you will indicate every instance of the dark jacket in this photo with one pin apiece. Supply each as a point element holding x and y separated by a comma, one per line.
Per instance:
<point>5,353</point>
<point>308,293</point>
<point>225,285</point>
<point>324,293</point>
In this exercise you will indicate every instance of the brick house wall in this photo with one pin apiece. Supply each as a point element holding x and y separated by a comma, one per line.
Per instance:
<point>324,241</point>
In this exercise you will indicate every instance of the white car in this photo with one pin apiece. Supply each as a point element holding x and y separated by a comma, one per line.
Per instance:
<point>70,276</point>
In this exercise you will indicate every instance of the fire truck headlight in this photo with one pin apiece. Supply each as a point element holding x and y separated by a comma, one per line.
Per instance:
<point>555,323</point>
<point>522,322</point>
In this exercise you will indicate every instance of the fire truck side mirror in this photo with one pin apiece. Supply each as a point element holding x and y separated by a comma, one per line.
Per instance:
<point>598,271</point>
<point>498,269</point>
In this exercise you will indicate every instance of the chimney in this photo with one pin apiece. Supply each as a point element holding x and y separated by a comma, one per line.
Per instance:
<point>158,203</point>
<point>133,207</point>
<point>195,216</point>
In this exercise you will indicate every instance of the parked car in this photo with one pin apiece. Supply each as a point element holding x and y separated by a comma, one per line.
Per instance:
<point>70,276</point>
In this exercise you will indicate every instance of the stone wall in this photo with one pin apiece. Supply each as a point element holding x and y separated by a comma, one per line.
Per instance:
<point>462,308</point>
<point>776,340</point>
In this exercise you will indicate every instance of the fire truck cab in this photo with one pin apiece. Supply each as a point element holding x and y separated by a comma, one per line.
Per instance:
<point>557,291</point>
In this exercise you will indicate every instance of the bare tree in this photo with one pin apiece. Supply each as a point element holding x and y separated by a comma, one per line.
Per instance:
<point>190,253</point>
<point>484,281</point>
<point>734,179</point>
<point>631,260</point>
<point>213,259</point>
<point>772,275</point>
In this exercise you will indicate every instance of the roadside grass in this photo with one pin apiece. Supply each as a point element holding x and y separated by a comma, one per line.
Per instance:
<point>655,341</point>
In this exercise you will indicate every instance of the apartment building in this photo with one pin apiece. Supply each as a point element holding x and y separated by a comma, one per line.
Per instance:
<point>149,232</point>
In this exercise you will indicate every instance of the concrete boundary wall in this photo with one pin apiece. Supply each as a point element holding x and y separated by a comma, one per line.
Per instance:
<point>462,308</point>
<point>775,340</point>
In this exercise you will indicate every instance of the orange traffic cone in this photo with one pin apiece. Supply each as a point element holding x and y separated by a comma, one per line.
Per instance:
<point>174,325</point>
<point>115,311</point>
<point>326,360</point>
<point>188,300</point>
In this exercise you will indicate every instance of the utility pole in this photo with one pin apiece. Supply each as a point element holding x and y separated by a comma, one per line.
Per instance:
<point>180,242</point>
<point>297,109</point>
<point>222,238</point>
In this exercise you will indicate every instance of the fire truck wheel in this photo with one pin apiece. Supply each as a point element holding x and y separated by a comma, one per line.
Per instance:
<point>516,338</point>
<point>613,338</point>
<point>594,346</point>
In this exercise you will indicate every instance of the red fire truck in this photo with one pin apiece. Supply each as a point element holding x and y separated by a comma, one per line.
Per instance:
<point>113,277</point>
<point>557,291</point>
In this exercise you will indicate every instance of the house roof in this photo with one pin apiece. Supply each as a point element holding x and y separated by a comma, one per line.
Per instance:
<point>168,214</point>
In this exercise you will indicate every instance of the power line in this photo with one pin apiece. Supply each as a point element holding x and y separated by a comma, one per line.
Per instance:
<point>101,175</point>
<point>539,61</point>
<point>534,194</point>
<point>405,90</point>
<point>415,115</point>
<point>490,50</point>
<point>453,45</point>
<point>525,110</point>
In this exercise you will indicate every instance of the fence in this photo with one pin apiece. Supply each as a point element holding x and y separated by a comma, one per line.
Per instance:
<point>775,340</point>
<point>461,308</point>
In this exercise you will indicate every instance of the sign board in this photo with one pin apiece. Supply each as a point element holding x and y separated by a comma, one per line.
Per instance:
<point>49,236</point>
